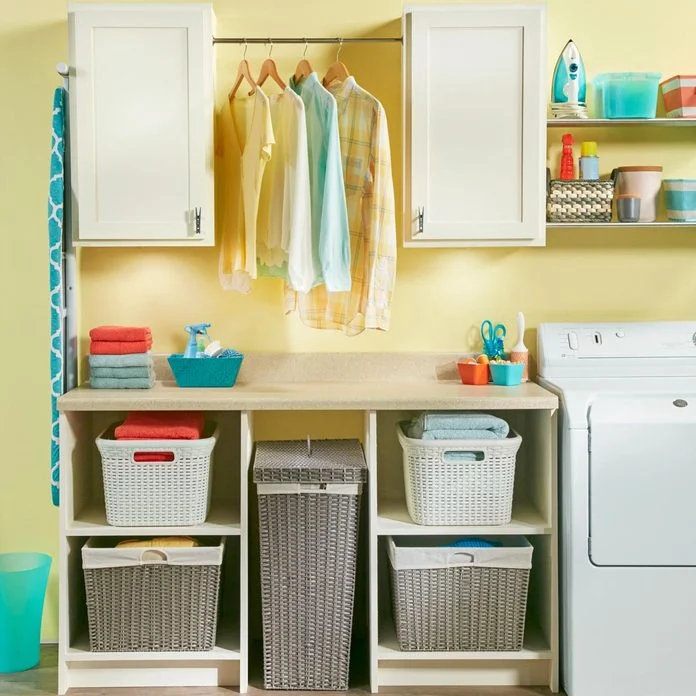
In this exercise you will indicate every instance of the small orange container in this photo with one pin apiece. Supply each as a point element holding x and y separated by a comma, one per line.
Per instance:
<point>473,374</point>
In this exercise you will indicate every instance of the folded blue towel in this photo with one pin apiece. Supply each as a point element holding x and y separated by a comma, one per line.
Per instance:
<point>125,383</point>
<point>130,360</point>
<point>472,543</point>
<point>121,372</point>
<point>459,435</point>
<point>468,426</point>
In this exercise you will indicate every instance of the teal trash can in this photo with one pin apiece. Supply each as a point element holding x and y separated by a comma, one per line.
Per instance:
<point>23,579</point>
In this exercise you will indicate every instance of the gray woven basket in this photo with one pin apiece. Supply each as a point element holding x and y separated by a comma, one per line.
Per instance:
<point>152,607</point>
<point>579,200</point>
<point>460,608</point>
<point>309,509</point>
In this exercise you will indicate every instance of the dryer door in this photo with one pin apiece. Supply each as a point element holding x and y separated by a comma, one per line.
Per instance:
<point>643,481</point>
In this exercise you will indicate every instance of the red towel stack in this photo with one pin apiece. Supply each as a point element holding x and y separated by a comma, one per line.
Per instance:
<point>161,425</point>
<point>120,340</point>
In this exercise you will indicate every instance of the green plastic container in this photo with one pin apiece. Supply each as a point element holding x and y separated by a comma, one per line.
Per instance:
<point>628,94</point>
<point>23,579</point>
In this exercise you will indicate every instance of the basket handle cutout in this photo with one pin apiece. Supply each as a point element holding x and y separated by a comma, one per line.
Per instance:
<point>460,556</point>
<point>154,556</point>
<point>160,456</point>
<point>453,456</point>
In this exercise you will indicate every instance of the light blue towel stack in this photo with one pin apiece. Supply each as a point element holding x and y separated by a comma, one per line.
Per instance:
<point>131,371</point>
<point>457,426</point>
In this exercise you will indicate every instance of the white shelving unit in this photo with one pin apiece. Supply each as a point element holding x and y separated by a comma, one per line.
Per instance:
<point>83,515</point>
<point>534,515</point>
<point>572,123</point>
<point>236,654</point>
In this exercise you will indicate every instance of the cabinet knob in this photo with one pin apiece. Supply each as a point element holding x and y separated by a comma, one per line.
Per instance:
<point>197,216</point>
<point>420,217</point>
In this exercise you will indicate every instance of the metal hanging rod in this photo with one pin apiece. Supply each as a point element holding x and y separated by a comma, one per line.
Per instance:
<point>309,40</point>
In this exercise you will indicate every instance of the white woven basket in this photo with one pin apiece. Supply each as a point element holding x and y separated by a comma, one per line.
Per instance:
<point>143,494</point>
<point>442,490</point>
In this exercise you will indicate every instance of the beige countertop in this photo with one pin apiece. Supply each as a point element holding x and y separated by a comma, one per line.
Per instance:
<point>321,381</point>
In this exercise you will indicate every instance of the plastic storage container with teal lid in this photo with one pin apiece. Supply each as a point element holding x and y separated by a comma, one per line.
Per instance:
<point>627,94</point>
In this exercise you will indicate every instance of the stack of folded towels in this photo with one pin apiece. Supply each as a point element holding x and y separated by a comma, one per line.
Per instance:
<point>120,358</point>
<point>453,425</point>
<point>160,425</point>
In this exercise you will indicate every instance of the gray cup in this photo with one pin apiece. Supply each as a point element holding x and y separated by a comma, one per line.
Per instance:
<point>628,208</point>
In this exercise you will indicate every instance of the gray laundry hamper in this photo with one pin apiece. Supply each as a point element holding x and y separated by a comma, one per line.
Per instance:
<point>309,510</point>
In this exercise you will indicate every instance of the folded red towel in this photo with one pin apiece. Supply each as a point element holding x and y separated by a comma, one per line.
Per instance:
<point>153,456</point>
<point>120,333</point>
<point>119,347</point>
<point>162,425</point>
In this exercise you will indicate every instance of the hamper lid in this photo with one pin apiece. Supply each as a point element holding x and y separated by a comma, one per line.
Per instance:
<point>309,460</point>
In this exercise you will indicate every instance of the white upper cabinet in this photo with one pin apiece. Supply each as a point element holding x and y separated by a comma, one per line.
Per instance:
<point>475,125</point>
<point>141,124</point>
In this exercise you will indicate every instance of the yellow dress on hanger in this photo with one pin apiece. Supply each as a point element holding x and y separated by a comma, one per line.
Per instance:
<point>244,143</point>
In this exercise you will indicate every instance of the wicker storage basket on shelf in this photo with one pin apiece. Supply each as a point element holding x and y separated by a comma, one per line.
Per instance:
<point>579,200</point>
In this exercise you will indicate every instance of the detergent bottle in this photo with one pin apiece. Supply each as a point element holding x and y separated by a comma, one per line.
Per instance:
<point>198,339</point>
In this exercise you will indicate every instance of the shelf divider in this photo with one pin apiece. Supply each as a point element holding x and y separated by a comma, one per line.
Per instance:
<point>393,520</point>
<point>223,520</point>
<point>613,122</point>
<point>620,225</point>
<point>535,647</point>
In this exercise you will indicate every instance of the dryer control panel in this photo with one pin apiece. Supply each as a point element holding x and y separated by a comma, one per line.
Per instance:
<point>630,349</point>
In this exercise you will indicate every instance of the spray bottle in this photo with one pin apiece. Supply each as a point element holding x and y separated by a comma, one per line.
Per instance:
<point>196,332</point>
<point>567,172</point>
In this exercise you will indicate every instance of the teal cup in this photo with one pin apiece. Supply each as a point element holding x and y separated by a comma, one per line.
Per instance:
<point>23,580</point>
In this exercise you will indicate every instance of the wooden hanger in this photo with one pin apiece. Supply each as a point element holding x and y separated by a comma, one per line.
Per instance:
<point>270,69</point>
<point>243,73</point>
<point>303,69</point>
<point>337,71</point>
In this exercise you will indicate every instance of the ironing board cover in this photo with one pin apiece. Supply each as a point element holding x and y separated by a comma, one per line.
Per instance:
<point>56,191</point>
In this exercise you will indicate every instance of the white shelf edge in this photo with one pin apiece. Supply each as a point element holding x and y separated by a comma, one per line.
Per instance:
<point>604,122</point>
<point>81,653</point>
<point>393,520</point>
<point>617,225</point>
<point>535,647</point>
<point>222,521</point>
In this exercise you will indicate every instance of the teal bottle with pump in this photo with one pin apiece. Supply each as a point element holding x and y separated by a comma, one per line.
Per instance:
<point>196,333</point>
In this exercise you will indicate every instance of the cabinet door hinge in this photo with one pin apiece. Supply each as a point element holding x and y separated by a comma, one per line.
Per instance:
<point>420,217</point>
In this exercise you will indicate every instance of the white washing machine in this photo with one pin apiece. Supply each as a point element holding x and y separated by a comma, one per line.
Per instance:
<point>628,504</point>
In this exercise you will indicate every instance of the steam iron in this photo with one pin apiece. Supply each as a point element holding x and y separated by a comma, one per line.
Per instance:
<point>569,89</point>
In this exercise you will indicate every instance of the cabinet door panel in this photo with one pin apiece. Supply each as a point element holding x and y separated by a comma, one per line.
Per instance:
<point>475,125</point>
<point>141,125</point>
<point>141,161</point>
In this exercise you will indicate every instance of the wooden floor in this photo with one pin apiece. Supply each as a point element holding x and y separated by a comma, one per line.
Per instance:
<point>43,682</point>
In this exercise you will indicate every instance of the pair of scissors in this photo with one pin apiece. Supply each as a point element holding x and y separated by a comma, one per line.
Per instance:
<point>492,337</point>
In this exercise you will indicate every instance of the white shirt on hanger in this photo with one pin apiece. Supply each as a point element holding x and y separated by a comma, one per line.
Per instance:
<point>284,242</point>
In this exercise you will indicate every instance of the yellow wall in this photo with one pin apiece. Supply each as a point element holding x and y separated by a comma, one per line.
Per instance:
<point>441,295</point>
